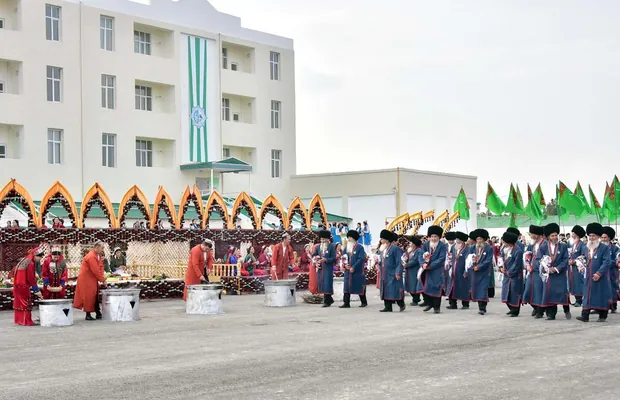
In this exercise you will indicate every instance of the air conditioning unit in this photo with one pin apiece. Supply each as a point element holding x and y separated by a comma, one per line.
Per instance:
<point>236,117</point>
<point>234,66</point>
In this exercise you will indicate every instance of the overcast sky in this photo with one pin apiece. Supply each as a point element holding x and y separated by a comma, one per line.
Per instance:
<point>509,91</point>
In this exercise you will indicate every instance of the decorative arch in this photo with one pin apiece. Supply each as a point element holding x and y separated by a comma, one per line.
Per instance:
<point>163,201</point>
<point>244,202</point>
<point>215,203</point>
<point>190,195</point>
<point>441,218</point>
<point>316,205</point>
<point>451,222</point>
<point>271,204</point>
<point>133,197</point>
<point>59,194</point>
<point>97,196</point>
<point>297,208</point>
<point>13,191</point>
<point>398,223</point>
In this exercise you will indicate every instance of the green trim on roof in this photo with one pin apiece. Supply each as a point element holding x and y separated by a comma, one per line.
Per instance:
<point>230,164</point>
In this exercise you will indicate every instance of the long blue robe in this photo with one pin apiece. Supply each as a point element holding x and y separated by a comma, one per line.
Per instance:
<point>335,235</point>
<point>480,278</point>
<point>555,290</point>
<point>355,283</point>
<point>512,284</point>
<point>532,293</point>
<point>576,280</point>
<point>366,236</point>
<point>597,294</point>
<point>520,245</point>
<point>446,268</point>
<point>392,288</point>
<point>325,275</point>
<point>361,239</point>
<point>459,286</point>
<point>613,271</point>
<point>411,271</point>
<point>432,281</point>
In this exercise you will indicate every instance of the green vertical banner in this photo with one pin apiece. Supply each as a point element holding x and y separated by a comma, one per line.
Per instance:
<point>197,75</point>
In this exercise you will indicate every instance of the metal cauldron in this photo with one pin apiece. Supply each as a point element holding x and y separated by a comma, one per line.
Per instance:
<point>56,312</point>
<point>120,305</point>
<point>204,299</point>
<point>280,293</point>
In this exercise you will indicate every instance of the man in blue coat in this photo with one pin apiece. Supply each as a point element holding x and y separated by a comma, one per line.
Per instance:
<point>432,259</point>
<point>325,275</point>
<point>481,270</point>
<point>532,293</point>
<point>412,267</point>
<point>391,289</point>
<point>457,285</point>
<point>450,239</point>
<point>354,278</point>
<point>519,243</point>
<point>555,284</point>
<point>608,236</point>
<point>597,289</point>
<point>577,248</point>
<point>512,284</point>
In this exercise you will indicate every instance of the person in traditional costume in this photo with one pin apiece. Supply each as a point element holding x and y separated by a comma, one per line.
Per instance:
<point>264,262</point>
<point>519,236</point>
<point>313,284</point>
<point>354,278</point>
<point>325,258</point>
<point>334,231</point>
<point>608,236</point>
<point>392,289</point>
<point>87,290</point>
<point>577,249</point>
<point>412,267</point>
<point>552,258</point>
<point>458,287</point>
<point>118,260</point>
<point>25,281</point>
<point>305,259</point>
<point>482,264</point>
<point>200,262</point>
<point>249,263</point>
<point>367,237</point>
<point>450,238</point>
<point>512,283</point>
<point>597,287</point>
<point>55,275</point>
<point>532,293</point>
<point>282,258</point>
<point>432,259</point>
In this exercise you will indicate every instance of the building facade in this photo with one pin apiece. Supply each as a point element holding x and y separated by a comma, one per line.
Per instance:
<point>157,92</point>
<point>377,195</point>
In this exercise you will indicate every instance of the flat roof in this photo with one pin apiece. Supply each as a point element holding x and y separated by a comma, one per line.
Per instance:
<point>375,171</point>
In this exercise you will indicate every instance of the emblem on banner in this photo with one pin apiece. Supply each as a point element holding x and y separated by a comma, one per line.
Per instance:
<point>198,116</point>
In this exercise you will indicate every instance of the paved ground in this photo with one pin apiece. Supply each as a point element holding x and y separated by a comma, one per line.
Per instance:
<point>307,352</point>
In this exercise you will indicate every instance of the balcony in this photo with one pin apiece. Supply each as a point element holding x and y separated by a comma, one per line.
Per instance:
<point>238,109</point>
<point>10,77</point>
<point>10,15</point>
<point>153,41</point>
<point>237,58</point>
<point>155,97</point>
<point>11,138</point>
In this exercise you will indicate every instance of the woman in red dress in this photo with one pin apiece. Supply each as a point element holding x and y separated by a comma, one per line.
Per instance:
<point>264,262</point>
<point>55,275</point>
<point>313,282</point>
<point>25,280</point>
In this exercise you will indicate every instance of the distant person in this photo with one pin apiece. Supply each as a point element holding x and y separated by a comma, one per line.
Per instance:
<point>199,264</point>
<point>87,290</point>
<point>283,257</point>
<point>25,282</point>
<point>55,275</point>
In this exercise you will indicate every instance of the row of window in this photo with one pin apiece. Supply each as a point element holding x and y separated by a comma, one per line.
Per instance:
<point>143,97</point>
<point>141,40</point>
<point>144,152</point>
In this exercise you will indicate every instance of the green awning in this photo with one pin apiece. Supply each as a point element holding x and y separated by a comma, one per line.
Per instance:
<point>230,164</point>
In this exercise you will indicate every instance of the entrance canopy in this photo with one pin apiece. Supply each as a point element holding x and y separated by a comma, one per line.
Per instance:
<point>230,164</point>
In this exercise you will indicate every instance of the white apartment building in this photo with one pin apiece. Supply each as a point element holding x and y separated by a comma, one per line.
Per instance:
<point>146,92</point>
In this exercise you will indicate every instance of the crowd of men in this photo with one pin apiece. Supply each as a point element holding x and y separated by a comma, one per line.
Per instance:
<point>543,273</point>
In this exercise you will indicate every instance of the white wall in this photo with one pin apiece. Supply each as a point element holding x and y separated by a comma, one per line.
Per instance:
<point>419,202</point>
<point>372,209</point>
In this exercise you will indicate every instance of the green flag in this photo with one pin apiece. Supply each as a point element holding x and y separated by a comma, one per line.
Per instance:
<point>533,209</point>
<point>562,212</point>
<point>582,196</point>
<point>596,206</point>
<point>513,205</point>
<point>541,198</point>
<point>493,202</point>
<point>520,197</point>
<point>609,203</point>
<point>513,221</point>
<point>462,206</point>
<point>570,202</point>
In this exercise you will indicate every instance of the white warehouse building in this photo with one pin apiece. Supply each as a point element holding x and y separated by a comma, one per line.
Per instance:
<point>157,92</point>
